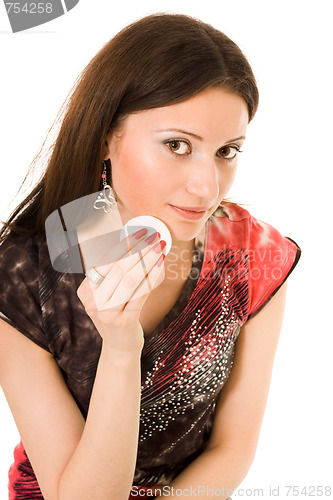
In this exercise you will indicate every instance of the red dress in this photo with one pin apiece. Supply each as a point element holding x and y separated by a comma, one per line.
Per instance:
<point>238,264</point>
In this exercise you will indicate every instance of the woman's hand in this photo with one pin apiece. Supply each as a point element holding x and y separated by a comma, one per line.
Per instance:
<point>130,270</point>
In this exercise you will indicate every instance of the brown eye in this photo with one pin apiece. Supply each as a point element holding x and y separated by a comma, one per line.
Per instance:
<point>229,152</point>
<point>179,147</point>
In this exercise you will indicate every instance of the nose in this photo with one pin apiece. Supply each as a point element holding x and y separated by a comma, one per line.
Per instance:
<point>202,180</point>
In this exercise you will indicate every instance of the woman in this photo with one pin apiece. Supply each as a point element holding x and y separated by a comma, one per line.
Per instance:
<point>116,383</point>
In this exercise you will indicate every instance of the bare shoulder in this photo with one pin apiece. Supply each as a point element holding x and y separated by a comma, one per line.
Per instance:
<point>263,330</point>
<point>48,419</point>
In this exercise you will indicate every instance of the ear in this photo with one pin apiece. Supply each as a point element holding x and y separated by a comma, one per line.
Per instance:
<point>107,147</point>
<point>110,144</point>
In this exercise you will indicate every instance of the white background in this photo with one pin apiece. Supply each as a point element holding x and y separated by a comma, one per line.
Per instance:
<point>284,177</point>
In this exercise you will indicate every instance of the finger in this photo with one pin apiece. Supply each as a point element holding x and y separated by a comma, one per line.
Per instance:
<point>134,243</point>
<point>156,276</point>
<point>153,279</point>
<point>128,250</point>
<point>137,276</point>
<point>127,253</point>
<point>132,269</point>
<point>124,277</point>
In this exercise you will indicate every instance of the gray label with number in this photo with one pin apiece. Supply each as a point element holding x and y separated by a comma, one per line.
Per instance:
<point>24,15</point>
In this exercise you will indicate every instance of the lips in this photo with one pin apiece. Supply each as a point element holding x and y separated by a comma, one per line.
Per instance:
<point>194,213</point>
<point>192,209</point>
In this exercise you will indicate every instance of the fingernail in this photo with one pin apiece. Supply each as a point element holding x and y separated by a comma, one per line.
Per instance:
<point>152,238</point>
<point>160,260</point>
<point>139,233</point>
<point>160,246</point>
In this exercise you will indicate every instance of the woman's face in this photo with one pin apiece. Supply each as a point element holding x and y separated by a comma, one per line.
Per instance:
<point>183,155</point>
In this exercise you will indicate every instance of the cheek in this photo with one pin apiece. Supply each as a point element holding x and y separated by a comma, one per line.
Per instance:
<point>227,177</point>
<point>134,173</point>
<point>232,174</point>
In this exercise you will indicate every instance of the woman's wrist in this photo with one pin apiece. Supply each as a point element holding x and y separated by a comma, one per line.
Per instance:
<point>121,357</point>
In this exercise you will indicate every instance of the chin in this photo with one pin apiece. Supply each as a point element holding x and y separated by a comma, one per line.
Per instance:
<point>183,233</point>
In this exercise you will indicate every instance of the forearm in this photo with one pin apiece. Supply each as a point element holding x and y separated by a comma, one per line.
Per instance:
<point>216,472</point>
<point>103,463</point>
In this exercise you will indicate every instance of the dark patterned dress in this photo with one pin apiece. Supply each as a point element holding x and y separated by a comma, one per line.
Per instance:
<point>238,264</point>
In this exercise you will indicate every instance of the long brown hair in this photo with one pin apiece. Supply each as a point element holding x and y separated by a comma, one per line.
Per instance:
<point>159,60</point>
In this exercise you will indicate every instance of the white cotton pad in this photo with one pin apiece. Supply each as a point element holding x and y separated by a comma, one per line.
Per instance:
<point>152,224</point>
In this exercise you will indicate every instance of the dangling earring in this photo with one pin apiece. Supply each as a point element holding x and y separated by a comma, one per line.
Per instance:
<point>106,198</point>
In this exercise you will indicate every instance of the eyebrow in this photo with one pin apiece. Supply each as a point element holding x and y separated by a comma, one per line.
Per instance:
<point>241,137</point>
